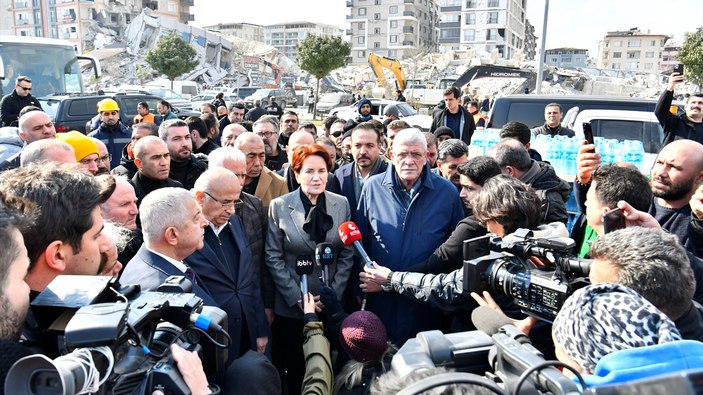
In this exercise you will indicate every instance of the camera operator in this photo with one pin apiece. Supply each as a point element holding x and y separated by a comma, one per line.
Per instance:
<point>66,235</point>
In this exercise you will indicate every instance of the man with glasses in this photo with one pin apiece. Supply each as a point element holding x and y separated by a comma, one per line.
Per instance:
<point>103,157</point>
<point>260,181</point>
<point>12,104</point>
<point>112,131</point>
<point>267,128</point>
<point>224,264</point>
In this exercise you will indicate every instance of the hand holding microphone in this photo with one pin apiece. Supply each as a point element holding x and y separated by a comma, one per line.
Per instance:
<point>350,235</point>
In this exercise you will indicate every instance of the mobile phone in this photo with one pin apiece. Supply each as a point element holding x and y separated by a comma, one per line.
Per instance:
<point>678,68</point>
<point>613,220</point>
<point>588,134</point>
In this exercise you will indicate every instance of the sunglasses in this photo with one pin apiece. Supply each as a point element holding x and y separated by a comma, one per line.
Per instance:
<point>26,89</point>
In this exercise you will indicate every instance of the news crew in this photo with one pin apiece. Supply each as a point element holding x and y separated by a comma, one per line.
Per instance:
<point>297,222</point>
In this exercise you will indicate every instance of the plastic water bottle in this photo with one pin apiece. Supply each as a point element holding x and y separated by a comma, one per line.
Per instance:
<point>570,153</point>
<point>479,140</point>
<point>550,148</point>
<point>492,138</point>
<point>634,153</point>
<point>608,154</point>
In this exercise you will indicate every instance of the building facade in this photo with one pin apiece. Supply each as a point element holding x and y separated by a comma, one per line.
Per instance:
<point>669,54</point>
<point>80,21</point>
<point>566,57</point>
<point>484,25</point>
<point>392,28</point>
<point>285,37</point>
<point>243,30</point>
<point>632,50</point>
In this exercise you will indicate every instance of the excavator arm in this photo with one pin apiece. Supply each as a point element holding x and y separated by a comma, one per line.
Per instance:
<point>491,71</point>
<point>378,63</point>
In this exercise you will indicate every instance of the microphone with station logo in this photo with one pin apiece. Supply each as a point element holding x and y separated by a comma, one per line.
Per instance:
<point>324,257</point>
<point>303,267</point>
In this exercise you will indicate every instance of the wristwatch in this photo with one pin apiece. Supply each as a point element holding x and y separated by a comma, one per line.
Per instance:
<point>387,286</point>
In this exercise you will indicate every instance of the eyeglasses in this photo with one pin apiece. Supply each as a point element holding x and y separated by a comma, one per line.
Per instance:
<point>223,203</point>
<point>266,134</point>
<point>26,89</point>
<point>105,158</point>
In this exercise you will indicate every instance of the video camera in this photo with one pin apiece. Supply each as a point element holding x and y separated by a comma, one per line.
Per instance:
<point>505,267</point>
<point>116,339</point>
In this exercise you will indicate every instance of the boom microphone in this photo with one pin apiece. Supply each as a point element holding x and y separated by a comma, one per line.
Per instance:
<point>304,268</point>
<point>350,235</point>
<point>492,322</point>
<point>324,256</point>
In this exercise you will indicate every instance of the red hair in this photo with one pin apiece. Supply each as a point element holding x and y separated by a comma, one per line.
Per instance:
<point>305,151</point>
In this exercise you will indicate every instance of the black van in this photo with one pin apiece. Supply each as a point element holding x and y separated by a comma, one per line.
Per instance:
<point>529,109</point>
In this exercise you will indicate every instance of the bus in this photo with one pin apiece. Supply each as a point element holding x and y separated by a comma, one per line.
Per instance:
<point>52,64</point>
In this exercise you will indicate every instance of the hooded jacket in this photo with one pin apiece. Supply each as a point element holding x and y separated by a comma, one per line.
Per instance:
<point>552,190</point>
<point>351,123</point>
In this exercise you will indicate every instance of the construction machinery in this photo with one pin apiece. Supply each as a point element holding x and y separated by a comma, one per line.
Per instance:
<point>378,63</point>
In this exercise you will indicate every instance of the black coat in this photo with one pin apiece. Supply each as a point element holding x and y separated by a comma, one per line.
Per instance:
<point>12,104</point>
<point>469,126</point>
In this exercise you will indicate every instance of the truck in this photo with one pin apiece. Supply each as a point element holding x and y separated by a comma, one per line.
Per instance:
<point>52,64</point>
<point>427,97</point>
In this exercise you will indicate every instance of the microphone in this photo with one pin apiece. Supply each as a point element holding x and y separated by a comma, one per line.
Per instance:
<point>350,235</point>
<point>492,322</point>
<point>303,268</point>
<point>324,256</point>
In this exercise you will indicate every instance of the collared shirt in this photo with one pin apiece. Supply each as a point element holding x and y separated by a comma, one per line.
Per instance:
<point>217,230</point>
<point>178,264</point>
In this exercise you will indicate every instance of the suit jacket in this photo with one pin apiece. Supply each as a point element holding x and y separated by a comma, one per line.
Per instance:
<point>286,240</point>
<point>270,186</point>
<point>344,176</point>
<point>240,299</point>
<point>150,270</point>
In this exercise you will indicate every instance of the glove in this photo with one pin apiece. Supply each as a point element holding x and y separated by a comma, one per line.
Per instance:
<point>328,297</point>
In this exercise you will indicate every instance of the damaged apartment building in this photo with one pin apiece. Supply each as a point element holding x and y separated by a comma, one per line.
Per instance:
<point>88,25</point>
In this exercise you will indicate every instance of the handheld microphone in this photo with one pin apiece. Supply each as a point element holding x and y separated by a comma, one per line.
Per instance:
<point>304,268</point>
<point>324,256</point>
<point>350,235</point>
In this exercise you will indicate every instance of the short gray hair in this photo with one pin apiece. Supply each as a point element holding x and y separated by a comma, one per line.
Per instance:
<point>452,147</point>
<point>266,119</point>
<point>410,136</point>
<point>142,143</point>
<point>35,151</point>
<point>162,209</point>
<point>217,157</point>
<point>653,263</point>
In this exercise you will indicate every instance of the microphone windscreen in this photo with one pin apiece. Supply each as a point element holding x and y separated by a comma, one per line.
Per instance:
<point>304,265</point>
<point>488,320</point>
<point>349,233</point>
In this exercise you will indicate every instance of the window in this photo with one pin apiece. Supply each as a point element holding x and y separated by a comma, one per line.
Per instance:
<point>451,18</point>
<point>360,40</point>
<point>377,16</point>
<point>360,54</point>
<point>377,45</point>
<point>615,66</point>
<point>362,11</point>
<point>649,55</point>
<point>392,53</point>
<point>633,54</point>
<point>648,66</point>
<point>394,24</point>
<point>471,3</point>
<point>652,43</point>
<point>449,33</point>
<point>469,35</point>
<point>634,43</point>
<point>492,17</point>
<point>376,30</point>
<point>393,38</point>
<point>471,19</point>
<point>360,25</point>
<point>393,9</point>
<point>617,55</point>
<point>172,7</point>
<point>633,65</point>
<point>617,43</point>
<point>491,34</point>
<point>566,60</point>
<point>493,3</point>
<point>377,2</point>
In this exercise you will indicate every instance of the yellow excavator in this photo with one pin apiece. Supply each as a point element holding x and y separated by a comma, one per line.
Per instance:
<point>378,63</point>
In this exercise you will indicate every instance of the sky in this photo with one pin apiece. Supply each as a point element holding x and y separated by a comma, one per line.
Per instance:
<point>571,23</point>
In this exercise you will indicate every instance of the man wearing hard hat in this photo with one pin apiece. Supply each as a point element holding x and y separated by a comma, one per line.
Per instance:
<point>112,132</point>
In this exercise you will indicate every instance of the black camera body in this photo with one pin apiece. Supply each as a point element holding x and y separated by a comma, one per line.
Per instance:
<point>505,267</point>
<point>126,340</point>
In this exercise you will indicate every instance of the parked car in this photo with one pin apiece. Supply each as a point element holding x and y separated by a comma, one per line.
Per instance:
<point>265,95</point>
<point>74,111</point>
<point>407,112</point>
<point>208,97</point>
<point>328,101</point>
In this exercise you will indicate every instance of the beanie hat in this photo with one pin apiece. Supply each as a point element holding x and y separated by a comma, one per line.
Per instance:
<point>363,336</point>
<point>444,130</point>
<point>82,144</point>
<point>362,102</point>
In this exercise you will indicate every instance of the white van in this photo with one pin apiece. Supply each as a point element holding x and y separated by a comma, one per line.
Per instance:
<point>186,89</point>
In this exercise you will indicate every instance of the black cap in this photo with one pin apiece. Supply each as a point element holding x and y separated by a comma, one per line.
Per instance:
<point>443,130</point>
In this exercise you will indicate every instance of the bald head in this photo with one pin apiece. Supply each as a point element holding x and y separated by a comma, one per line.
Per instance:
<point>691,150</point>
<point>212,177</point>
<point>298,138</point>
<point>677,172</point>
<point>230,134</point>
<point>216,191</point>
<point>36,125</point>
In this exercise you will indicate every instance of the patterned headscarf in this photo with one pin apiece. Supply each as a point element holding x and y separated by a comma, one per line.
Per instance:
<point>603,318</point>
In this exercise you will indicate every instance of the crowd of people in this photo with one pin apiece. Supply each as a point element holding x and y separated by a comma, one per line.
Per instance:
<point>238,199</point>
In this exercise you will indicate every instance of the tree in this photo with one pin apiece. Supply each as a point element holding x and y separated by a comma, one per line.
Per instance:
<point>172,57</point>
<point>318,55</point>
<point>691,56</point>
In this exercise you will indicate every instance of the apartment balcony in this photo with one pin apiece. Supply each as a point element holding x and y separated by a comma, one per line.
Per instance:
<point>409,13</point>
<point>22,21</point>
<point>21,4</point>
<point>450,9</point>
<point>189,3</point>
<point>411,2</point>
<point>185,16</point>
<point>350,3</point>
<point>408,43</point>
<point>348,32</point>
<point>350,17</point>
<point>67,19</point>
<point>408,29</point>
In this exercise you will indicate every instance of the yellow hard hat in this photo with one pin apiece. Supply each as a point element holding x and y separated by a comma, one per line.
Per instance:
<point>107,105</point>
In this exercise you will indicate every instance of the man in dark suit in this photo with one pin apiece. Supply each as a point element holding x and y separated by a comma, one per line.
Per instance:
<point>454,116</point>
<point>225,265</point>
<point>365,149</point>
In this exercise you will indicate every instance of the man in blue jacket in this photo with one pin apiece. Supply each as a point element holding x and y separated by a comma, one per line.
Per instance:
<point>112,132</point>
<point>404,214</point>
